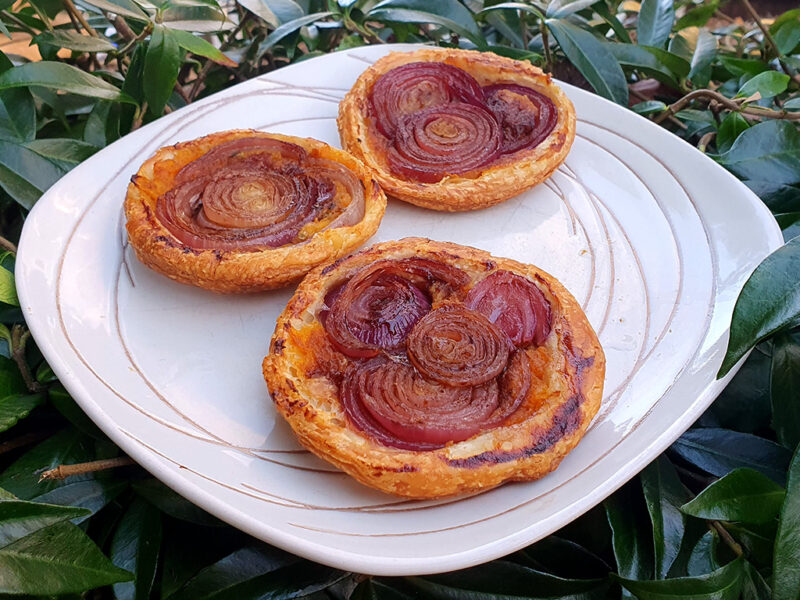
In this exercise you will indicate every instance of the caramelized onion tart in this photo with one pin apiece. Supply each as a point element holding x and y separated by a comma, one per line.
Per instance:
<point>244,211</point>
<point>428,369</point>
<point>456,129</point>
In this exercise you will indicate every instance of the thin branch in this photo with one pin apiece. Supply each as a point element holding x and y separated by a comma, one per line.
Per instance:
<point>523,30</point>
<point>19,338</point>
<point>18,22</point>
<point>705,140</point>
<point>24,440</point>
<point>74,12</point>
<point>548,58</point>
<point>734,105</point>
<point>8,245</point>
<point>64,471</point>
<point>767,35</point>
<point>121,25</point>
<point>727,538</point>
<point>644,98</point>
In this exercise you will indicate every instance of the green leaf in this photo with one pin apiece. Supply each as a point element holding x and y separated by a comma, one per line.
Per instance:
<point>62,77</point>
<point>63,152</point>
<point>123,8</point>
<point>768,302</point>
<point>785,390</point>
<point>792,105</point>
<point>17,115</point>
<point>274,12</point>
<point>11,381</point>
<point>197,45</point>
<point>257,572</point>
<point>703,55</point>
<point>649,107</point>
<point>790,225</point>
<point>558,9</point>
<point>742,495</point>
<point>448,13</point>
<point>92,493</point>
<point>779,197</point>
<point>513,6</point>
<point>743,66</point>
<point>787,37</point>
<point>503,579</point>
<point>722,584</point>
<point>633,546</point>
<point>593,59</point>
<point>289,28</point>
<point>173,504</point>
<point>720,451</point>
<point>789,15</point>
<point>768,84</point>
<point>653,62</point>
<point>8,287</point>
<point>69,409</point>
<point>753,585</point>
<point>72,40</point>
<point>136,547</point>
<point>20,518</point>
<point>59,559</point>
<point>601,8</point>
<point>786,567</point>
<point>664,494</point>
<point>655,22</point>
<point>769,151</point>
<point>563,558</point>
<point>24,174</point>
<point>697,16</point>
<point>161,65</point>
<point>372,589</point>
<point>701,560</point>
<point>731,128</point>
<point>16,407</point>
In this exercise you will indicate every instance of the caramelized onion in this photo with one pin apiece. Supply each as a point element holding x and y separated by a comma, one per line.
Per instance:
<point>457,347</point>
<point>450,139</point>
<point>407,411</point>
<point>252,193</point>
<point>380,305</point>
<point>526,116</point>
<point>515,382</point>
<point>514,304</point>
<point>415,86</point>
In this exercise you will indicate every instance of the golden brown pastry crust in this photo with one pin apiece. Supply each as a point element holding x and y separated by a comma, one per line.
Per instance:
<point>231,271</point>
<point>567,385</point>
<point>502,179</point>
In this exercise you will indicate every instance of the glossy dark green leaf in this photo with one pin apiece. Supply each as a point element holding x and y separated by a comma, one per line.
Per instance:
<point>655,22</point>
<point>779,197</point>
<point>103,124</point>
<point>17,115</point>
<point>742,66</point>
<point>195,16</point>
<point>197,45</point>
<point>742,495</point>
<point>124,8</point>
<point>785,389</point>
<point>731,127</point>
<point>593,59</point>
<point>787,37</point>
<point>503,579</point>
<point>71,40</point>
<point>649,107</point>
<point>20,518</point>
<point>698,15</point>
<point>59,559</point>
<point>753,585</point>
<point>62,77</point>
<point>25,174</point>
<point>274,12</point>
<point>653,62</point>
<point>559,9</point>
<point>563,558</point>
<point>289,28</point>
<point>161,65</point>
<point>702,558</point>
<point>373,589</point>
<point>65,153</point>
<point>720,451</point>
<point>8,287</point>
<point>513,6</point>
<point>11,380</point>
<point>631,539</point>
<point>786,567</point>
<point>173,504</point>
<point>451,14</point>
<point>256,572</point>
<point>768,302</point>
<point>135,548</point>
<point>601,8</point>
<point>16,407</point>
<point>92,494</point>
<point>768,150</point>
<point>789,224</point>
<point>702,56</point>
<point>723,584</point>
<point>792,104</point>
<point>758,541</point>
<point>789,15</point>
<point>69,409</point>
<point>767,84</point>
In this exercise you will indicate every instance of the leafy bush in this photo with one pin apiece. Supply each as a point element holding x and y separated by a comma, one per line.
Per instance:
<point>718,515</point>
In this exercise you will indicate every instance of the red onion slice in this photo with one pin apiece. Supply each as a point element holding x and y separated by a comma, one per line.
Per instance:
<point>416,86</point>
<point>444,140</point>
<point>526,116</point>
<point>514,304</point>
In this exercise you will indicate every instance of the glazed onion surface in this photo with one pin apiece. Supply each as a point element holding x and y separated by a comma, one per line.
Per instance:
<point>514,304</point>
<point>526,117</point>
<point>457,347</point>
<point>415,86</point>
<point>257,192</point>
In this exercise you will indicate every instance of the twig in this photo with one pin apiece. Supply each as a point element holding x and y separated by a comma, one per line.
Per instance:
<point>137,120</point>
<point>19,338</point>
<point>24,440</point>
<point>74,12</point>
<point>734,105</point>
<point>203,73</point>
<point>671,119</point>
<point>727,538</point>
<point>548,58</point>
<point>64,471</point>
<point>767,35</point>
<point>123,28</point>
<point>523,30</point>
<point>8,245</point>
<point>19,23</point>
<point>704,141</point>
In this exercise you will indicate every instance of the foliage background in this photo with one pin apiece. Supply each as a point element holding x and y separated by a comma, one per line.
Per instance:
<point>717,516</point>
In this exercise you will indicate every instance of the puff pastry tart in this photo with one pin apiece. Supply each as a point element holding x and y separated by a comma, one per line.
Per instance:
<point>244,211</point>
<point>428,369</point>
<point>456,129</point>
